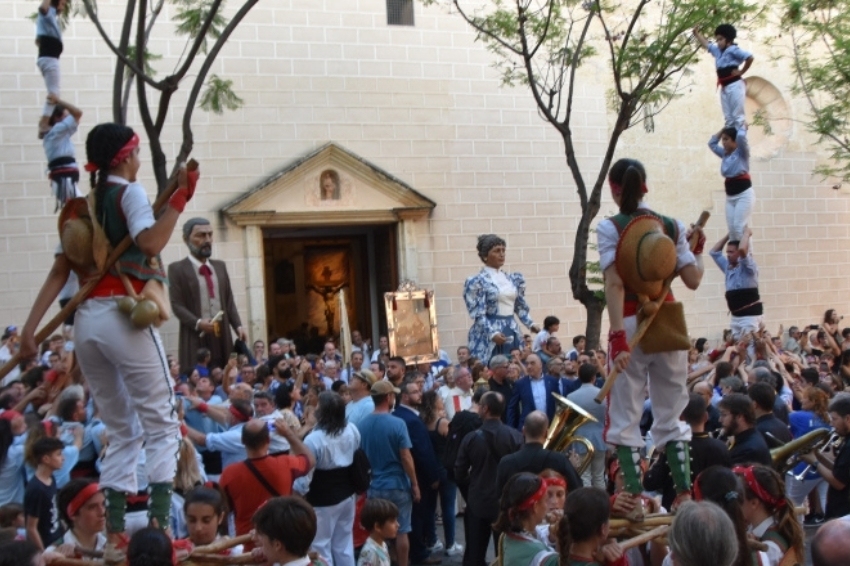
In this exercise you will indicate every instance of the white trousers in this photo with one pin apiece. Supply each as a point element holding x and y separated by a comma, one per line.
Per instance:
<point>666,374</point>
<point>742,325</point>
<point>739,212</point>
<point>798,490</point>
<point>594,475</point>
<point>732,98</point>
<point>128,376</point>
<point>333,539</point>
<point>49,67</point>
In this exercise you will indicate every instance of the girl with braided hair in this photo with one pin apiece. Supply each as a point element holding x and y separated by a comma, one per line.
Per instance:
<point>124,363</point>
<point>770,515</point>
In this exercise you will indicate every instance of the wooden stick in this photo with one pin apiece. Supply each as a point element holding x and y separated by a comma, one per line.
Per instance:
<point>212,559</point>
<point>649,521</point>
<point>645,537</point>
<point>85,290</point>
<point>647,322</point>
<point>74,562</point>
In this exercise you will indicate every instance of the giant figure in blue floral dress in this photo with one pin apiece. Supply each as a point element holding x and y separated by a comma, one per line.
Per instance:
<point>492,298</point>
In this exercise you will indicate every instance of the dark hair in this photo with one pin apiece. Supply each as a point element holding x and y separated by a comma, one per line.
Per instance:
<point>398,360</point>
<point>585,513</point>
<point>700,344</point>
<point>695,410</point>
<point>586,373</point>
<point>102,144</point>
<point>18,553</point>
<point>56,116</point>
<point>381,365</point>
<point>202,354</point>
<point>376,512</point>
<point>207,496</point>
<point>428,410</point>
<point>149,547</point>
<point>330,414</point>
<point>68,492</point>
<point>579,338</point>
<point>190,224</point>
<point>732,134</point>
<point>337,385</point>
<point>487,242</point>
<point>810,375</point>
<point>783,513</point>
<point>9,514</point>
<point>254,437</point>
<point>33,377</point>
<point>265,395</point>
<point>840,406</point>
<point>631,176</point>
<point>494,402</point>
<point>67,408</point>
<point>478,394</point>
<point>721,370</point>
<point>288,520</point>
<point>283,396</point>
<point>518,488</point>
<point>6,439</point>
<point>827,316</point>
<point>726,31</point>
<point>550,321</point>
<point>720,485</point>
<point>43,447</point>
<point>763,395</point>
<point>738,404</point>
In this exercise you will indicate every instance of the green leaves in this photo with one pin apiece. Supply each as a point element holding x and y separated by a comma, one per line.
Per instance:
<point>148,57</point>
<point>820,31</point>
<point>218,96</point>
<point>192,16</point>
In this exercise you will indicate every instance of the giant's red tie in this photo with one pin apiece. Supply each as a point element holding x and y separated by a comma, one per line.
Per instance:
<point>207,273</point>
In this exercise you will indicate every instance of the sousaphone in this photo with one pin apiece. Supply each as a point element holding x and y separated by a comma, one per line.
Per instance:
<point>562,432</point>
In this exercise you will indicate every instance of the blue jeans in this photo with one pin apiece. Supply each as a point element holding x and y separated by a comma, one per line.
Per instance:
<point>448,498</point>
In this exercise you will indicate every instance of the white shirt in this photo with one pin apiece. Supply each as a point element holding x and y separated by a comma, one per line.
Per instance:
<point>456,400</point>
<point>538,390</point>
<point>507,290</point>
<point>774,553</point>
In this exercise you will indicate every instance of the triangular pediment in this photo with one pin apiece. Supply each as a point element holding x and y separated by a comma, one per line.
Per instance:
<point>329,186</point>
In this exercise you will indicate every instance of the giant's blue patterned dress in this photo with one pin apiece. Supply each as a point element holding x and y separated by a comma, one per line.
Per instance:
<point>493,298</point>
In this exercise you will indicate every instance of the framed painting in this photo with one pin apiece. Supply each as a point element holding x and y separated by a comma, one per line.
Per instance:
<point>412,324</point>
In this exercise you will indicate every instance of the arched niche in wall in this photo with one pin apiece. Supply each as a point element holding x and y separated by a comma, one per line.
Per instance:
<point>769,117</point>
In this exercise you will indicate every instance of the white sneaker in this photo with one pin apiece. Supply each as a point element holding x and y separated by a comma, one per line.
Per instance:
<point>438,546</point>
<point>454,550</point>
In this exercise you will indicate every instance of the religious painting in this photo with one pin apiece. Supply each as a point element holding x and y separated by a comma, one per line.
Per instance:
<point>329,185</point>
<point>327,270</point>
<point>329,188</point>
<point>412,324</point>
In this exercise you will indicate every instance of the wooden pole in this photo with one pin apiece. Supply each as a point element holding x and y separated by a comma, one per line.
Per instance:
<point>647,322</point>
<point>85,290</point>
<point>645,537</point>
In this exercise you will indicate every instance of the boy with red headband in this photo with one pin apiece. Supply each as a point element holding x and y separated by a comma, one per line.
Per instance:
<point>123,359</point>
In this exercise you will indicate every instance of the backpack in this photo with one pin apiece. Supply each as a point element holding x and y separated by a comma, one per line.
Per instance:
<point>361,471</point>
<point>462,424</point>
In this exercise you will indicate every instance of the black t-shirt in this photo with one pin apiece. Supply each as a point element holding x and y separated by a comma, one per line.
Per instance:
<point>838,501</point>
<point>40,501</point>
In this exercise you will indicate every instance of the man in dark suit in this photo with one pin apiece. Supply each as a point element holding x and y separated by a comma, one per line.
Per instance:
<point>429,471</point>
<point>200,289</point>
<point>738,419</point>
<point>533,458</point>
<point>477,461</point>
<point>532,392</point>
<point>705,452</point>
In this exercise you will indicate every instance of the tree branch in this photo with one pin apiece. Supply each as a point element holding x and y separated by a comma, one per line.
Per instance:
<point>199,40</point>
<point>118,115</point>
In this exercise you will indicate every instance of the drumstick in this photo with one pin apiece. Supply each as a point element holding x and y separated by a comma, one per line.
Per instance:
<point>647,322</point>
<point>85,290</point>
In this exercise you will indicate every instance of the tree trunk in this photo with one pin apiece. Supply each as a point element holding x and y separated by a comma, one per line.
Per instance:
<point>593,330</point>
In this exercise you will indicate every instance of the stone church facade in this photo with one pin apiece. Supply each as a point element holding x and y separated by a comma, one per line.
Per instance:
<point>422,150</point>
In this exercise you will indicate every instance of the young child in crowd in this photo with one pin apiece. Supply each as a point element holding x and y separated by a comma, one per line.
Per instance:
<point>12,518</point>
<point>205,513</point>
<point>380,518</point>
<point>284,530</point>
<point>42,516</point>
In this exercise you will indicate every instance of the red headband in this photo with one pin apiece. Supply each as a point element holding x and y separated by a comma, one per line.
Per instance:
<point>238,416</point>
<point>757,489</point>
<point>122,154</point>
<point>617,188</point>
<point>48,427</point>
<point>9,415</point>
<point>555,481</point>
<point>534,497</point>
<point>80,499</point>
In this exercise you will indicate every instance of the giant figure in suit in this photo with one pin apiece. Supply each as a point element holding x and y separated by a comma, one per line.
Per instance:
<point>200,288</point>
<point>529,391</point>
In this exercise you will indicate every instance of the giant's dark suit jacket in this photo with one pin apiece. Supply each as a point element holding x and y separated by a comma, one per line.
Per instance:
<point>186,305</point>
<point>521,402</point>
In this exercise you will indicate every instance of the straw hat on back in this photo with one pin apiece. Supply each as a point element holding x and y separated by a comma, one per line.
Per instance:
<point>76,234</point>
<point>646,256</point>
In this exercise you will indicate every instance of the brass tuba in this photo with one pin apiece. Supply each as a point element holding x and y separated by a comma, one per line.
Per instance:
<point>787,456</point>
<point>562,431</point>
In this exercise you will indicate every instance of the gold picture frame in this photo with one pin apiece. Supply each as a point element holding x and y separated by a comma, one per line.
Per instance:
<point>412,324</point>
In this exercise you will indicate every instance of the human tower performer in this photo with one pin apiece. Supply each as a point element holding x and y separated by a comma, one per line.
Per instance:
<point>639,250</point>
<point>730,144</point>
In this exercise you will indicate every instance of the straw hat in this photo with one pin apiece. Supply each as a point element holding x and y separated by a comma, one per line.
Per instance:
<point>646,256</point>
<point>76,234</point>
